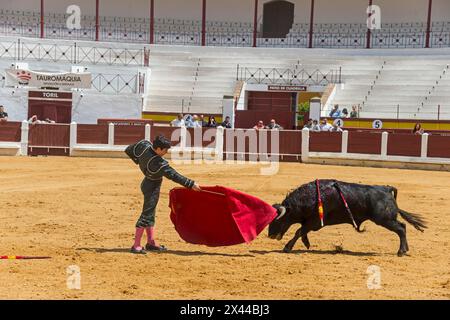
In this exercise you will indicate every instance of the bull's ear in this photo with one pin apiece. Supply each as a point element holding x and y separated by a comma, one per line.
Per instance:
<point>280,210</point>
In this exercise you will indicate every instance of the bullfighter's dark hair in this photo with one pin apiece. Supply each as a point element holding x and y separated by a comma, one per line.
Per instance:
<point>161,142</point>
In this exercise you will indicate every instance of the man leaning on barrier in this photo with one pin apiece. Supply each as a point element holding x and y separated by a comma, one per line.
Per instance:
<point>3,115</point>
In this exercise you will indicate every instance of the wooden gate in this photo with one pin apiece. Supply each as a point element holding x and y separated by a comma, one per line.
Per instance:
<point>49,139</point>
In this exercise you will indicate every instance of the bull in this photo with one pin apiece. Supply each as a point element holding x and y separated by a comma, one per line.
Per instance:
<point>365,202</point>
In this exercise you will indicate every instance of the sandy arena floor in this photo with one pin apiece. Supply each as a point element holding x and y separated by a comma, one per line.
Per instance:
<point>82,212</point>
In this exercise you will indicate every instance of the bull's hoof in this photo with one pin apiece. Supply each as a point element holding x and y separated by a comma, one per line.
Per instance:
<point>401,253</point>
<point>287,249</point>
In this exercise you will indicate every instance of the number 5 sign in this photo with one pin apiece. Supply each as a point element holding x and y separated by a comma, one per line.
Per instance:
<point>377,124</point>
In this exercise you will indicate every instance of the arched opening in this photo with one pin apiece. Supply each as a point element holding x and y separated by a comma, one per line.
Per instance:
<point>278,17</point>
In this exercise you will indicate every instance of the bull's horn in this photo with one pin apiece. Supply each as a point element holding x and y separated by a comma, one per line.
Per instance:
<point>282,212</point>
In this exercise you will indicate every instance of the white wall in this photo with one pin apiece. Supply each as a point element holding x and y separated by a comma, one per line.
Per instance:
<point>441,10</point>
<point>131,8</point>
<point>85,110</point>
<point>341,11</point>
<point>179,9</point>
<point>60,6</point>
<point>326,11</point>
<point>95,106</point>
<point>232,10</point>
<point>403,11</point>
<point>16,104</point>
<point>21,5</point>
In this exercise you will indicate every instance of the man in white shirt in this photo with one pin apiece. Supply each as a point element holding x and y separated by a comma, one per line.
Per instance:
<point>336,128</point>
<point>178,122</point>
<point>325,126</point>
<point>194,122</point>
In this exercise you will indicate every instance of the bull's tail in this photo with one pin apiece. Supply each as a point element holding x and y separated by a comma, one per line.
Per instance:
<point>394,191</point>
<point>414,219</point>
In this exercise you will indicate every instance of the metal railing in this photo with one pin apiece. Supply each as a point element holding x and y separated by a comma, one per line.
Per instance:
<point>73,53</point>
<point>288,76</point>
<point>115,83</point>
<point>390,36</point>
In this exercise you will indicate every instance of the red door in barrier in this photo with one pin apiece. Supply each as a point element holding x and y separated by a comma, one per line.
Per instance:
<point>53,105</point>
<point>49,139</point>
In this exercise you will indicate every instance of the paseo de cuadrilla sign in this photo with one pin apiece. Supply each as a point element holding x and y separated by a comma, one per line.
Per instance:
<point>65,80</point>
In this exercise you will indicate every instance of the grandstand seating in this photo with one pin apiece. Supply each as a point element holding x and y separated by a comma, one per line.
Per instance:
<point>194,79</point>
<point>201,77</point>
<point>222,33</point>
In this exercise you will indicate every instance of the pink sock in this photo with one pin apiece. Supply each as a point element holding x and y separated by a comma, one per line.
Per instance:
<point>151,236</point>
<point>137,238</point>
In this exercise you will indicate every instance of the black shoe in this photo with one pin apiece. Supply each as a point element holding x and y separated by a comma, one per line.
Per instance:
<point>150,247</point>
<point>136,251</point>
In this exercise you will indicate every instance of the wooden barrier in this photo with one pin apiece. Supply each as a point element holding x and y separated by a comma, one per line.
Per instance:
<point>325,141</point>
<point>439,147</point>
<point>126,122</point>
<point>198,137</point>
<point>364,142</point>
<point>92,134</point>
<point>49,139</point>
<point>167,132</point>
<point>262,145</point>
<point>126,135</point>
<point>408,145</point>
<point>431,151</point>
<point>10,131</point>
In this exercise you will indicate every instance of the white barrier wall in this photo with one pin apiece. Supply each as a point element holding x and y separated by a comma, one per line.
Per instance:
<point>95,106</point>
<point>15,102</point>
<point>87,109</point>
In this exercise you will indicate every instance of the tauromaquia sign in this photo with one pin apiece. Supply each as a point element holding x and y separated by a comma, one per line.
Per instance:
<point>65,80</point>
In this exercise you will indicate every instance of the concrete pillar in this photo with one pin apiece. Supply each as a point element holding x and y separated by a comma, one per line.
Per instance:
<point>73,136</point>
<point>111,134</point>
<point>24,138</point>
<point>305,145</point>
<point>315,106</point>
<point>344,142</point>
<point>384,144</point>
<point>147,132</point>
<point>219,143</point>
<point>183,138</point>
<point>424,146</point>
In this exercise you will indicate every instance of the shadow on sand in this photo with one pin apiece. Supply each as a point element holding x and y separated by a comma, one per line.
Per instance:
<point>169,252</point>
<point>324,252</point>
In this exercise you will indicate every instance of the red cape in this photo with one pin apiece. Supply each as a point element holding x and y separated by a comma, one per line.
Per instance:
<point>218,220</point>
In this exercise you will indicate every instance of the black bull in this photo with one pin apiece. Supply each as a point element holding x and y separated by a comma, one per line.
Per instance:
<point>374,203</point>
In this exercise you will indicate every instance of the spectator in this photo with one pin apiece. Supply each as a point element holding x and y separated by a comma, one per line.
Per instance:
<point>192,122</point>
<point>34,120</point>
<point>47,120</point>
<point>325,126</point>
<point>335,113</point>
<point>315,126</point>
<point>344,113</point>
<point>226,124</point>
<point>418,129</point>
<point>336,128</point>
<point>202,121</point>
<point>3,115</point>
<point>178,122</point>
<point>212,122</point>
<point>274,126</point>
<point>259,125</point>
<point>308,125</point>
<point>354,113</point>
